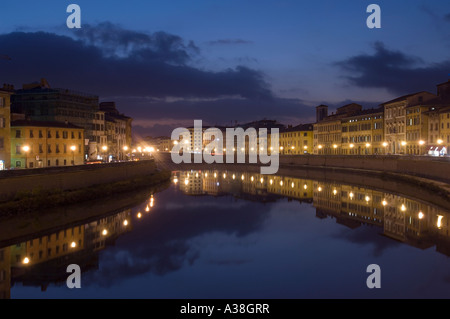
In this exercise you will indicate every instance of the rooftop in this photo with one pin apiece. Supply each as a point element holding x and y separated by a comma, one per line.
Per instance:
<point>27,123</point>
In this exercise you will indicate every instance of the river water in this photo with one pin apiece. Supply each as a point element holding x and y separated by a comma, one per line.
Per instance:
<point>225,234</point>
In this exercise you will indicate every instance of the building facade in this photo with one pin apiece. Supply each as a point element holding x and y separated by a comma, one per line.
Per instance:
<point>37,144</point>
<point>297,140</point>
<point>40,102</point>
<point>5,127</point>
<point>363,133</point>
<point>395,120</point>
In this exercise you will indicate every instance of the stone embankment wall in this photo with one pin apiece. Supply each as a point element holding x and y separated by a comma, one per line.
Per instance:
<point>70,178</point>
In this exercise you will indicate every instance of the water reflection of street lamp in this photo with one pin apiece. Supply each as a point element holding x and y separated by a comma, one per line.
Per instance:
<point>73,148</point>
<point>26,149</point>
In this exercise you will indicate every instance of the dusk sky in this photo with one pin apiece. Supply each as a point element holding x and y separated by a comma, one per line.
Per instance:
<point>166,63</point>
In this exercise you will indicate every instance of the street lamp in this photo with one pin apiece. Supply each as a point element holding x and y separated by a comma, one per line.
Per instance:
<point>104,148</point>
<point>125,149</point>
<point>26,149</point>
<point>73,148</point>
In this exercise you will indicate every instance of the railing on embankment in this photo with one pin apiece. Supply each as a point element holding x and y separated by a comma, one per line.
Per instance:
<point>419,166</point>
<point>70,177</point>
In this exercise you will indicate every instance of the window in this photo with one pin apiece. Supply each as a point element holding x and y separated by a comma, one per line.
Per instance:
<point>18,133</point>
<point>49,148</point>
<point>49,134</point>
<point>73,135</point>
<point>18,149</point>
<point>57,134</point>
<point>65,162</point>
<point>31,134</point>
<point>48,163</point>
<point>79,135</point>
<point>65,134</point>
<point>2,122</point>
<point>57,162</point>
<point>2,101</point>
<point>2,143</point>
<point>41,149</point>
<point>40,134</point>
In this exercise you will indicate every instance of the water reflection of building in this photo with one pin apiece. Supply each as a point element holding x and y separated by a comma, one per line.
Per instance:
<point>44,259</point>
<point>5,273</point>
<point>409,221</point>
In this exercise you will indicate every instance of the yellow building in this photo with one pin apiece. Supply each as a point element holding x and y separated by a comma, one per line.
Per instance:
<point>297,140</point>
<point>328,132</point>
<point>363,134</point>
<point>5,116</point>
<point>37,144</point>
<point>417,128</point>
<point>395,119</point>
<point>444,119</point>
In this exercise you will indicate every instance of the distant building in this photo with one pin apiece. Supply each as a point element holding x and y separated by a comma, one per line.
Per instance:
<point>37,144</point>
<point>117,131</point>
<point>363,133</point>
<point>321,112</point>
<point>328,132</point>
<point>40,102</point>
<point>5,127</point>
<point>297,140</point>
<point>395,119</point>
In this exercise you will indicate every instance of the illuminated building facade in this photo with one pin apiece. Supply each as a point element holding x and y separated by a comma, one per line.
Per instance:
<point>297,140</point>
<point>36,144</point>
<point>363,133</point>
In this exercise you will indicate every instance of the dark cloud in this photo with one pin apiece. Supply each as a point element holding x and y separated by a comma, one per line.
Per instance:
<point>395,71</point>
<point>154,66</point>
<point>158,46</point>
<point>149,75</point>
<point>229,41</point>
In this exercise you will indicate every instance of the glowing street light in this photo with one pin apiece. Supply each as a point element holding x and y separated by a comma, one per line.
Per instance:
<point>73,149</point>
<point>421,215</point>
<point>352,145</point>
<point>421,142</point>
<point>104,149</point>
<point>26,261</point>
<point>403,143</point>
<point>73,244</point>
<point>439,141</point>
<point>26,149</point>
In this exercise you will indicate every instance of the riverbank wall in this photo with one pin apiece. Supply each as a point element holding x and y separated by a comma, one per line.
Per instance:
<point>15,183</point>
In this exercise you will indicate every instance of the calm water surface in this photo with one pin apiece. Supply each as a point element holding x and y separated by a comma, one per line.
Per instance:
<point>216,234</point>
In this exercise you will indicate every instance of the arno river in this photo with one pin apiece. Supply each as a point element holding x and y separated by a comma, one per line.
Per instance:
<point>229,234</point>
